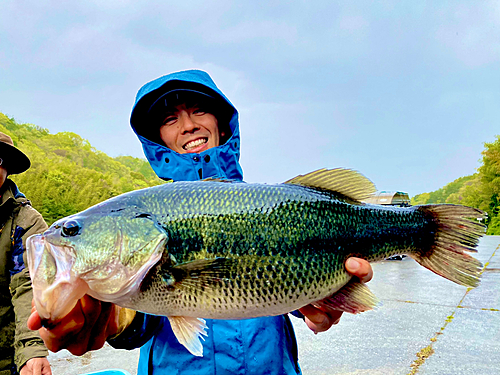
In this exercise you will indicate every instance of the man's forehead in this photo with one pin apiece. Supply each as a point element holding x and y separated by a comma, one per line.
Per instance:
<point>181,106</point>
<point>184,97</point>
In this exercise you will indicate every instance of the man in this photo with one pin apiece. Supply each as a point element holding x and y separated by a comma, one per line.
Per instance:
<point>189,131</point>
<point>20,348</point>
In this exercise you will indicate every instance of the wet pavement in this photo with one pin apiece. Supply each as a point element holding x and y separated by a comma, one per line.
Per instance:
<point>424,324</point>
<point>423,320</point>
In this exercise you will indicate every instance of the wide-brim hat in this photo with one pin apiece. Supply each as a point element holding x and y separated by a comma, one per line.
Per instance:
<point>13,160</point>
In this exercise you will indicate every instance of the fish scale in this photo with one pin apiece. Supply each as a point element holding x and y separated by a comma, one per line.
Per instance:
<point>232,250</point>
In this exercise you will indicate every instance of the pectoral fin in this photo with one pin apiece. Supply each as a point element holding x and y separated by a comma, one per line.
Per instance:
<point>354,297</point>
<point>188,332</point>
<point>199,274</point>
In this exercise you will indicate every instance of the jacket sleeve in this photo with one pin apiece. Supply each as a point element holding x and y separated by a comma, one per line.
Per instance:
<point>27,343</point>
<point>140,331</point>
<point>297,314</point>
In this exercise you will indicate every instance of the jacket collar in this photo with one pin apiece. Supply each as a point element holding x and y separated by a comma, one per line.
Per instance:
<point>10,191</point>
<point>10,199</point>
<point>221,161</point>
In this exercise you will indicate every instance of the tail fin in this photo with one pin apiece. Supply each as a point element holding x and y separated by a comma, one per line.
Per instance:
<point>458,230</point>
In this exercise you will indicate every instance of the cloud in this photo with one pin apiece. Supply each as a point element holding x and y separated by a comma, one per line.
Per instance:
<point>318,84</point>
<point>472,33</point>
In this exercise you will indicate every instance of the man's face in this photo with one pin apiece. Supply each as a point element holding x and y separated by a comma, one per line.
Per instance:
<point>189,129</point>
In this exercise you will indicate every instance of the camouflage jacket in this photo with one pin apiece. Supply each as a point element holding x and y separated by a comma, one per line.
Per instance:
<point>18,221</point>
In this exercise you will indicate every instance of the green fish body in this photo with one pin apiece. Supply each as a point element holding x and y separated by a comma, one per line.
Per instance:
<point>230,250</point>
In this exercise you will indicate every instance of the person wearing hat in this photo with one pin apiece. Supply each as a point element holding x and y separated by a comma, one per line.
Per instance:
<point>189,131</point>
<point>22,351</point>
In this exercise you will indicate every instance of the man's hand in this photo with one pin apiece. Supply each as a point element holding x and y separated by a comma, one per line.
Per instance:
<point>85,328</point>
<point>320,321</point>
<point>36,366</point>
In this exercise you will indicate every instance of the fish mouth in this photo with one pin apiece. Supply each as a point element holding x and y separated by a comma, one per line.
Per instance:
<point>59,280</point>
<point>56,289</point>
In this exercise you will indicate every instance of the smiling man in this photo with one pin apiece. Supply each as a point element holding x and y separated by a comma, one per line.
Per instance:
<point>190,127</point>
<point>189,130</point>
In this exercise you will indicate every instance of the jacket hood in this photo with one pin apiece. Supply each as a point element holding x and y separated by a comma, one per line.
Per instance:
<point>221,161</point>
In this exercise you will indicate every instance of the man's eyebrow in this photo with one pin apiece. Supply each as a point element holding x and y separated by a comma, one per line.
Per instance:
<point>168,113</point>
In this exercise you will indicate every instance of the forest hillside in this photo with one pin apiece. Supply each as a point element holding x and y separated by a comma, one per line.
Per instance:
<point>67,174</point>
<point>480,190</point>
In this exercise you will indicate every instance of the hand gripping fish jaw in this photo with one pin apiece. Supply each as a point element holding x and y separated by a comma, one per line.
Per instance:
<point>61,272</point>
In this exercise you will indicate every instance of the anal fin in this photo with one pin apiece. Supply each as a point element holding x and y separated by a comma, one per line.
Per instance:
<point>354,297</point>
<point>188,332</point>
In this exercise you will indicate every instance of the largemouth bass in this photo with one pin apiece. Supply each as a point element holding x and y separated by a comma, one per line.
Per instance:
<point>231,250</point>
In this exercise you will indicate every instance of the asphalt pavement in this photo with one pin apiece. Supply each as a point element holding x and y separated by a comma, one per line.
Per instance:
<point>424,324</point>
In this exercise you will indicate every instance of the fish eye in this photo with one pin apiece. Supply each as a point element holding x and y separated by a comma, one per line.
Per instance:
<point>71,228</point>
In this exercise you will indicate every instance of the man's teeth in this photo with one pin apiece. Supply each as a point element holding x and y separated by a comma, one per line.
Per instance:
<point>193,144</point>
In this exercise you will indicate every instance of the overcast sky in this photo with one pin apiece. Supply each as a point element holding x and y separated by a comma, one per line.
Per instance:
<point>406,92</point>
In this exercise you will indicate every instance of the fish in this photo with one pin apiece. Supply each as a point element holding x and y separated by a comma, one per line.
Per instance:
<point>221,249</point>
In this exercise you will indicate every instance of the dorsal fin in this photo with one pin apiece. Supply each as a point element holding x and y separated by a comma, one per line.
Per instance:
<point>347,182</point>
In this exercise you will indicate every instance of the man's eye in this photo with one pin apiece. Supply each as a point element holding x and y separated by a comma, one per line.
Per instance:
<point>199,112</point>
<point>169,120</point>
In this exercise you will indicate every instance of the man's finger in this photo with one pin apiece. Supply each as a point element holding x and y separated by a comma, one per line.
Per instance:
<point>99,329</point>
<point>64,331</point>
<point>360,268</point>
<point>34,321</point>
<point>90,310</point>
<point>37,368</point>
<point>317,320</point>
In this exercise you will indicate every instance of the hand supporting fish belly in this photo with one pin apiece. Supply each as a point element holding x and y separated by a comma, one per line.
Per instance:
<point>225,250</point>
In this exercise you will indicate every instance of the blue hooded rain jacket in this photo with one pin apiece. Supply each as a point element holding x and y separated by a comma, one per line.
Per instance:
<point>253,346</point>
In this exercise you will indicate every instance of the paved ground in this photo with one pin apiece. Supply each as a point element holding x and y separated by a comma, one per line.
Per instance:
<point>424,323</point>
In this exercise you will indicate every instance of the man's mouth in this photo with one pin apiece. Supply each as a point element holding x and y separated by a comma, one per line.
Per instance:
<point>195,143</point>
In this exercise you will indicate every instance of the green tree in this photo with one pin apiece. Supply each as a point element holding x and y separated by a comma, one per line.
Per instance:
<point>490,176</point>
<point>67,174</point>
<point>442,195</point>
<point>481,190</point>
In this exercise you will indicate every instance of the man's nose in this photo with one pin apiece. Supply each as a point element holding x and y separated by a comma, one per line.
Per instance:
<point>187,124</point>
